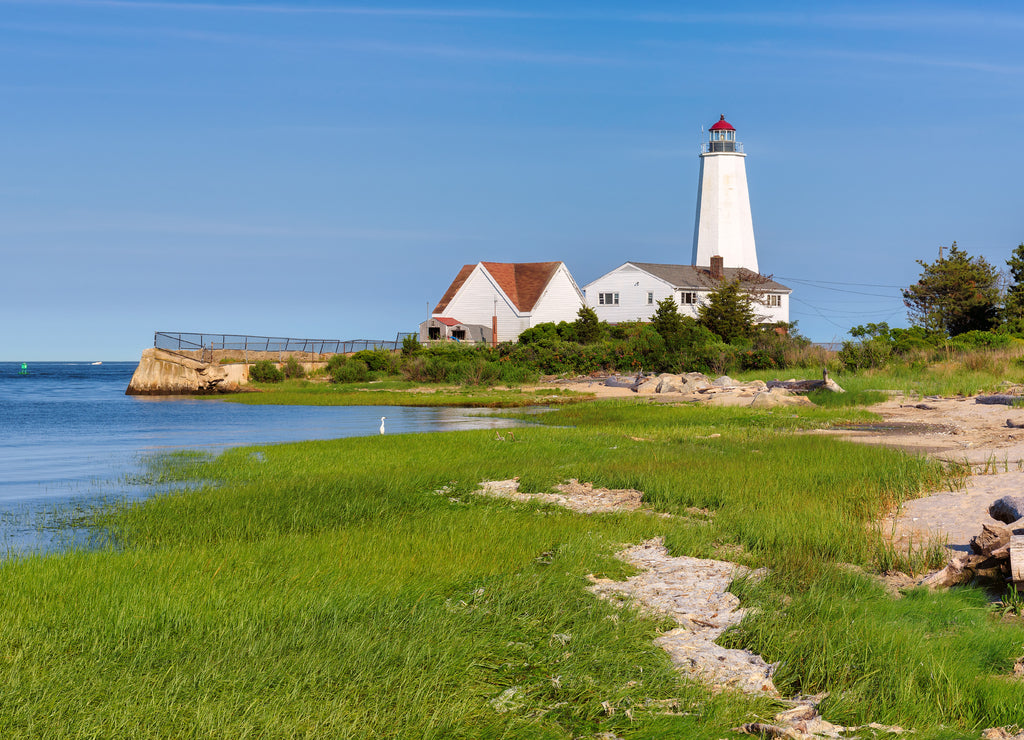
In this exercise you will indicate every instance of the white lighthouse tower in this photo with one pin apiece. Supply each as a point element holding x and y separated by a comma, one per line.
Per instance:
<point>723,227</point>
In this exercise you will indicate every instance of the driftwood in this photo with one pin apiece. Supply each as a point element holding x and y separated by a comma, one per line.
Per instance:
<point>1016,548</point>
<point>992,538</point>
<point>806,386</point>
<point>998,558</point>
<point>1014,424</point>
<point>999,398</point>
<point>965,568</point>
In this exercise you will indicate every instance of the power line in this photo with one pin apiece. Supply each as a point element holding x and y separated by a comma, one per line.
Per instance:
<point>833,282</point>
<point>818,310</point>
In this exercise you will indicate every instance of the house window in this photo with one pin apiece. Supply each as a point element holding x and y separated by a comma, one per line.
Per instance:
<point>433,332</point>
<point>687,299</point>
<point>458,334</point>
<point>608,299</point>
<point>650,299</point>
<point>774,300</point>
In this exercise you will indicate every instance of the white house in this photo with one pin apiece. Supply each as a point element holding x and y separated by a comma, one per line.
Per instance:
<point>509,297</point>
<point>631,292</point>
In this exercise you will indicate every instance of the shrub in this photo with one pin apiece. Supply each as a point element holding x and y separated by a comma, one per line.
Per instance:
<point>292,368</point>
<point>547,331</point>
<point>378,360</point>
<point>972,340</point>
<point>410,345</point>
<point>265,371</point>
<point>350,371</point>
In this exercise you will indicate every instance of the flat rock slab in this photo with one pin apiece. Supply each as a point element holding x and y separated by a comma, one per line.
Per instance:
<point>692,591</point>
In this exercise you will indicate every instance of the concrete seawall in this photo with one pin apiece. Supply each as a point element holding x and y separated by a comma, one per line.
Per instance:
<point>164,373</point>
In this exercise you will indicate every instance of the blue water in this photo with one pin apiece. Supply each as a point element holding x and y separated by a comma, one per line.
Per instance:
<point>70,439</point>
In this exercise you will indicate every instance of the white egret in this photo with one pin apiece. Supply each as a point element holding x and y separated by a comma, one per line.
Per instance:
<point>382,424</point>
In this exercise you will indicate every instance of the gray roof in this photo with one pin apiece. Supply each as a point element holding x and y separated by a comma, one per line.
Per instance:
<point>689,276</point>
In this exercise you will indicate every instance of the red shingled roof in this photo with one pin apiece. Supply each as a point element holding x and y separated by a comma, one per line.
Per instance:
<point>454,288</point>
<point>722,125</point>
<point>448,322</point>
<point>523,282</point>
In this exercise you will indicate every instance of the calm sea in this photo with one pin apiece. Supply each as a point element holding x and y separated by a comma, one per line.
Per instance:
<point>70,438</point>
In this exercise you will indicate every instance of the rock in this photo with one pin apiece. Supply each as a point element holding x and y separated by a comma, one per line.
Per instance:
<point>767,401</point>
<point>694,593</point>
<point>669,383</point>
<point>730,400</point>
<point>648,387</point>
<point>162,373</point>
<point>724,381</point>
<point>1007,509</point>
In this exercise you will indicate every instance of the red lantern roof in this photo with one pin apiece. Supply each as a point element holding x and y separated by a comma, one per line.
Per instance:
<point>722,125</point>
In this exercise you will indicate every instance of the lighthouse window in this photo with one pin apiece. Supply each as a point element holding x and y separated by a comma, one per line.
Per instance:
<point>608,299</point>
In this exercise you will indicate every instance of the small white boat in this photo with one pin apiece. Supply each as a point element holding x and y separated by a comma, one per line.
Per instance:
<point>95,363</point>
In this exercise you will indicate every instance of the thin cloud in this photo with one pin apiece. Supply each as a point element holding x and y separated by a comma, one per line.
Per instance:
<point>881,57</point>
<point>902,21</point>
<point>447,51</point>
<point>287,9</point>
<point>158,224</point>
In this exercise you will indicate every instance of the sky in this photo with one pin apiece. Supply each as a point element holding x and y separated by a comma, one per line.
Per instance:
<point>323,170</point>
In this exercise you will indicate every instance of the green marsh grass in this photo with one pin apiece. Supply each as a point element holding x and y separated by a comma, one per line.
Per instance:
<point>357,588</point>
<point>399,393</point>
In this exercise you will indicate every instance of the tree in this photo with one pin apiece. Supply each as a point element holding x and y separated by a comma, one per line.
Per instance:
<point>668,323</point>
<point>588,326</point>
<point>955,294</point>
<point>1013,311</point>
<point>727,312</point>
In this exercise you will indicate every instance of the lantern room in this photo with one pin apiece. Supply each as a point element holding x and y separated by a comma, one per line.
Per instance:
<point>722,137</point>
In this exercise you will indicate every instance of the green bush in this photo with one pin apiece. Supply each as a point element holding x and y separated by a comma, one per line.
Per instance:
<point>353,371</point>
<point>344,369</point>
<point>378,360</point>
<point>265,371</point>
<point>410,345</point>
<point>972,340</point>
<point>292,368</point>
<point>548,331</point>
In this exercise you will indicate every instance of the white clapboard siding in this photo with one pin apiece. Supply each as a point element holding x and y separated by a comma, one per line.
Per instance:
<point>633,285</point>
<point>479,299</point>
<point>561,300</point>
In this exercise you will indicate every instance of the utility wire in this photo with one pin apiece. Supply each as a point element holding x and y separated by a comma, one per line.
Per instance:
<point>832,282</point>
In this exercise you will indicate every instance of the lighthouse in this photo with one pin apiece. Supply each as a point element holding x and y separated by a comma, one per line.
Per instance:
<point>723,227</point>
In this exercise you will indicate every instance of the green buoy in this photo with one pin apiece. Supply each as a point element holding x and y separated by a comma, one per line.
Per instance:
<point>24,369</point>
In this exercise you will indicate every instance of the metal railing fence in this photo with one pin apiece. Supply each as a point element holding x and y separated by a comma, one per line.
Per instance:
<point>199,342</point>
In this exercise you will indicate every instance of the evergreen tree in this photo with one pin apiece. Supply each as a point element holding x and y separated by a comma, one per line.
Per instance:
<point>955,294</point>
<point>669,323</point>
<point>1013,312</point>
<point>727,312</point>
<point>588,326</point>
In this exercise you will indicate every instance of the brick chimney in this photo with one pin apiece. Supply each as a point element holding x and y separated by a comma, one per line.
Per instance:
<point>717,267</point>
